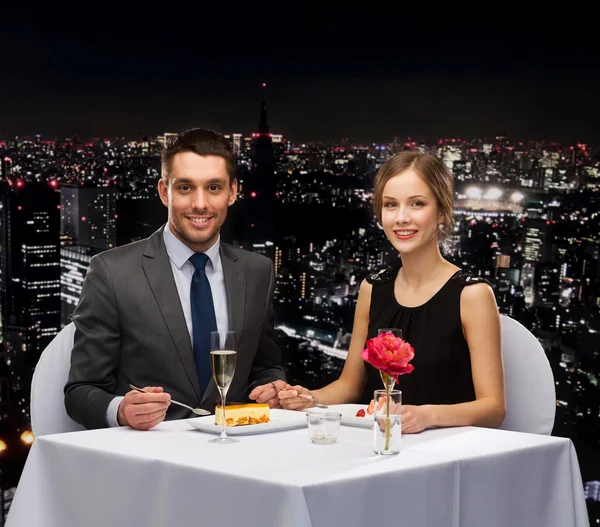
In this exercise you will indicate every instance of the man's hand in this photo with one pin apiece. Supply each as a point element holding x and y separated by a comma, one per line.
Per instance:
<point>268,393</point>
<point>143,411</point>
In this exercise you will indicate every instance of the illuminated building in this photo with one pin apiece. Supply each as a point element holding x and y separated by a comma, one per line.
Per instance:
<point>74,262</point>
<point>30,274</point>
<point>88,215</point>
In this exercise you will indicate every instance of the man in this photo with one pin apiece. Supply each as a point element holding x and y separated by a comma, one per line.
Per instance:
<point>147,308</point>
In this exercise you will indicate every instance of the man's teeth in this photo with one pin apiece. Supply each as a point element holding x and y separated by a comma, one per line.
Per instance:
<point>199,220</point>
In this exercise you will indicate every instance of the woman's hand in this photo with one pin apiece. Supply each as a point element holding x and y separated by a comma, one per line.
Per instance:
<point>415,419</point>
<point>295,398</point>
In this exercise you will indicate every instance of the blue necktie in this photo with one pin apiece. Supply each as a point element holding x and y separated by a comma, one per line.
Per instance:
<point>203,318</point>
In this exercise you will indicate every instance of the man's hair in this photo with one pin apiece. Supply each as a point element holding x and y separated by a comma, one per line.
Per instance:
<point>201,142</point>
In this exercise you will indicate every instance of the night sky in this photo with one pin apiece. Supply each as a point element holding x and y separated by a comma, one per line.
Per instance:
<point>106,70</point>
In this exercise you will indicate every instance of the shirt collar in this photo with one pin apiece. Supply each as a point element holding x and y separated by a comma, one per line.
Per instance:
<point>179,253</point>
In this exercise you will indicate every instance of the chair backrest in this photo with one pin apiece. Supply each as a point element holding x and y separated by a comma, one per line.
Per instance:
<point>530,390</point>
<point>48,414</point>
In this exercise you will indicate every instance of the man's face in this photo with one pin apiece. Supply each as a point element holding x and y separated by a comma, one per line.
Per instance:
<point>198,194</point>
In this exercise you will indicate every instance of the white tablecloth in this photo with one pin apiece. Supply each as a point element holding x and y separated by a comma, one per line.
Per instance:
<point>172,476</point>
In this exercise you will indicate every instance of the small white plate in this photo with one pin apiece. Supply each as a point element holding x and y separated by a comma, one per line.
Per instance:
<point>348,412</point>
<point>279,420</point>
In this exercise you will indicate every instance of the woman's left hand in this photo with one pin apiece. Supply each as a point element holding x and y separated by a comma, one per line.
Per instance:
<point>415,419</point>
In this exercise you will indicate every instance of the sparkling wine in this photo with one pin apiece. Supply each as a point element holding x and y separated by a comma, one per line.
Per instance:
<point>223,367</point>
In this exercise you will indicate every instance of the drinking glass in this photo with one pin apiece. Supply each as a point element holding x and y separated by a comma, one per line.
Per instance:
<point>324,428</point>
<point>223,358</point>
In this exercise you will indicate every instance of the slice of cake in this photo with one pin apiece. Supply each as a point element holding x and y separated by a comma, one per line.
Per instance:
<point>243,414</point>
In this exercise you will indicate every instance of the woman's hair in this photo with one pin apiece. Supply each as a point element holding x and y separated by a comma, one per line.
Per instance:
<point>433,171</point>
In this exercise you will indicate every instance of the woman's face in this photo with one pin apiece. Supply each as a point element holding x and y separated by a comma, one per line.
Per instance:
<point>409,215</point>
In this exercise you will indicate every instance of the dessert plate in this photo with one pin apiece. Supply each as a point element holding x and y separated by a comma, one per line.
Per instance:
<point>280,420</point>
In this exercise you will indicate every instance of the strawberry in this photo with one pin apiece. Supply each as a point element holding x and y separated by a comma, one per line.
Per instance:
<point>360,413</point>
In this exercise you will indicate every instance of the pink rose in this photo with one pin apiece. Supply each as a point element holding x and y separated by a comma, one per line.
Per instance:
<point>389,354</point>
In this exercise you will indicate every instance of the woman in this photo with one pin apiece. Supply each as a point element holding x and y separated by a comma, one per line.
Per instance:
<point>449,316</point>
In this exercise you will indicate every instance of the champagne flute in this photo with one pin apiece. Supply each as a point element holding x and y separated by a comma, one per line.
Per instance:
<point>223,358</point>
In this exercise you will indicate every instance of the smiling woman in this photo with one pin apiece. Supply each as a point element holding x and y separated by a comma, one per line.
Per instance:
<point>448,315</point>
<point>426,181</point>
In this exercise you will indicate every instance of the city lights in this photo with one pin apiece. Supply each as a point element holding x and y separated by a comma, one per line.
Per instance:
<point>27,437</point>
<point>474,193</point>
<point>527,218</point>
<point>493,194</point>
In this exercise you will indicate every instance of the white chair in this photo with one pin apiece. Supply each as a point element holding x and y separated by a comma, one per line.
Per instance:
<point>528,379</point>
<point>48,414</point>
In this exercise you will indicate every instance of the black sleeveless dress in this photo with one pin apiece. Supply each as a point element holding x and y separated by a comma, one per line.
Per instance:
<point>442,362</point>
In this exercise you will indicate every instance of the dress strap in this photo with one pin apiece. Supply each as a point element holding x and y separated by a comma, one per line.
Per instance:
<point>468,278</point>
<point>387,274</point>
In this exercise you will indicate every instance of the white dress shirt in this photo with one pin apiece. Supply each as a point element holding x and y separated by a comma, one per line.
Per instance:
<point>183,271</point>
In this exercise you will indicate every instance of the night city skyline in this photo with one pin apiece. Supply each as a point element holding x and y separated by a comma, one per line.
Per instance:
<point>507,100</point>
<point>528,217</point>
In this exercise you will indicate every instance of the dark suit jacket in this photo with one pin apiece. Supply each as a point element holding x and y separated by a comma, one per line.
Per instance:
<point>130,328</point>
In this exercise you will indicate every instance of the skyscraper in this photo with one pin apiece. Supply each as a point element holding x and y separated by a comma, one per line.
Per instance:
<point>88,226</point>
<point>537,246</point>
<point>502,261</point>
<point>286,254</point>
<point>88,215</point>
<point>74,263</point>
<point>4,241</point>
<point>30,261</point>
<point>547,285</point>
<point>260,192</point>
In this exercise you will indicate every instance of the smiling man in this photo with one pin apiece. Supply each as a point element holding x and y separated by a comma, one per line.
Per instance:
<point>147,309</point>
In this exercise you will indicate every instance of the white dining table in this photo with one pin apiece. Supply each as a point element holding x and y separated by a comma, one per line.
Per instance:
<point>172,476</point>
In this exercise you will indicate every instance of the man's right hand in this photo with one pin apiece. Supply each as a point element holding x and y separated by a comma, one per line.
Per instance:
<point>143,411</point>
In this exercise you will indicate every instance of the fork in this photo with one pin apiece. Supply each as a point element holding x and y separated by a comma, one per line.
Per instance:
<point>197,411</point>
<point>309,398</point>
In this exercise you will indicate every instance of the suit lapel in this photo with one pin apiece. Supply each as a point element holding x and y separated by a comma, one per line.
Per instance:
<point>235,288</point>
<point>157,269</point>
